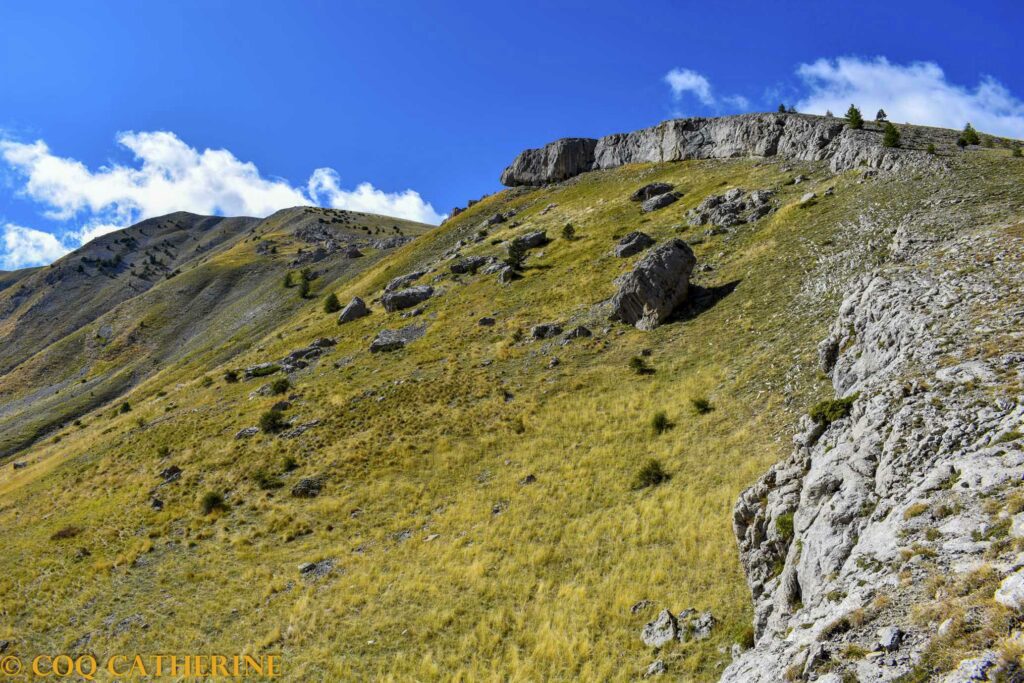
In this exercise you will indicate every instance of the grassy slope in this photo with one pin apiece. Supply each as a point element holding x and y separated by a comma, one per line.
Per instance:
<point>225,296</point>
<point>424,441</point>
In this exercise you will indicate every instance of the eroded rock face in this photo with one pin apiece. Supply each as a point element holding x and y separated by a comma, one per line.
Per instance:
<point>853,512</point>
<point>655,287</point>
<point>799,137</point>
<point>551,163</point>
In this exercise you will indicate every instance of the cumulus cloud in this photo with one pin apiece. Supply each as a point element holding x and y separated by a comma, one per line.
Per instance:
<point>918,92</point>
<point>24,247</point>
<point>683,81</point>
<point>170,175</point>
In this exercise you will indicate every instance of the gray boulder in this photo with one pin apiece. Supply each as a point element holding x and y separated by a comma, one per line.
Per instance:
<point>659,202</point>
<point>663,630</point>
<point>406,298</point>
<point>392,340</point>
<point>532,240</point>
<point>633,243</point>
<point>655,287</point>
<point>546,330</point>
<point>468,265</point>
<point>889,638</point>
<point>404,280</point>
<point>353,311</point>
<point>648,191</point>
<point>578,333</point>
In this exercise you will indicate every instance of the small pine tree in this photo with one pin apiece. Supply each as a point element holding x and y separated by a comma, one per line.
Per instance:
<point>854,118</point>
<point>970,135</point>
<point>288,279</point>
<point>568,232</point>
<point>515,255</point>
<point>303,288</point>
<point>931,148</point>
<point>880,116</point>
<point>890,136</point>
<point>961,142</point>
<point>782,109</point>
<point>331,303</point>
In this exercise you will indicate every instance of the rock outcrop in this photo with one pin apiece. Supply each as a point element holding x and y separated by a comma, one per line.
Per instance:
<point>799,137</point>
<point>732,208</point>
<point>894,485</point>
<point>406,298</point>
<point>655,287</point>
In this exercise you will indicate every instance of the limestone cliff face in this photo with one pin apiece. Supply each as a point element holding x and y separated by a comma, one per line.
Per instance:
<point>789,136</point>
<point>844,542</point>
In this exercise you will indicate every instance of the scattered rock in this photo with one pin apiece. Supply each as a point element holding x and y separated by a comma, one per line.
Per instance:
<point>641,606</point>
<point>1011,591</point>
<point>169,474</point>
<point>19,465</point>
<point>633,243</point>
<point>659,202</point>
<point>156,504</point>
<point>281,406</point>
<point>655,287</point>
<point>731,208</point>
<point>579,333</point>
<point>486,321</point>
<point>889,638</point>
<point>694,626</point>
<point>507,275</point>
<point>532,240</point>
<point>404,280</point>
<point>663,630</point>
<point>545,330</point>
<point>308,488</point>
<point>649,191</point>
<point>808,197</point>
<point>300,429</point>
<point>656,668</point>
<point>468,265</point>
<point>406,298</point>
<point>247,432</point>
<point>355,309</point>
<point>311,570</point>
<point>392,340</point>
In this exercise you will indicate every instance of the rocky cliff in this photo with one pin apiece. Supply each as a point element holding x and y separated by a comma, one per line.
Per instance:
<point>799,137</point>
<point>876,548</point>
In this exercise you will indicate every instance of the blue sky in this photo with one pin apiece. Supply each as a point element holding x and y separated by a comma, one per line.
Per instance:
<point>111,112</point>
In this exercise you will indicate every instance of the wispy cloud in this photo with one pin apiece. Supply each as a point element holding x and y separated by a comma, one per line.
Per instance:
<point>168,175</point>
<point>918,92</point>
<point>684,82</point>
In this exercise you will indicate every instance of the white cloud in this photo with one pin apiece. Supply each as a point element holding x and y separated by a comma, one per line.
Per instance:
<point>170,175</point>
<point>683,81</point>
<point>22,247</point>
<point>916,93</point>
<point>686,80</point>
<point>324,187</point>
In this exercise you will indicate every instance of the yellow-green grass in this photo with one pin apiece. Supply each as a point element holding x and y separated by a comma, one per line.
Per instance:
<point>424,440</point>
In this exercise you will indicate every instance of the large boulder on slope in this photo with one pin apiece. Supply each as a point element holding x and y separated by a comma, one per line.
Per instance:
<point>406,298</point>
<point>356,309</point>
<point>655,287</point>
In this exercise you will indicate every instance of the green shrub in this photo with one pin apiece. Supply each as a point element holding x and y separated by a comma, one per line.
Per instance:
<point>303,288</point>
<point>890,136</point>
<point>931,148</point>
<point>266,481</point>
<point>660,422</point>
<point>568,232</point>
<point>212,500</point>
<point>701,405</point>
<point>828,411</point>
<point>639,366</point>
<point>289,464</point>
<point>784,525</point>
<point>206,381</point>
<point>126,407</point>
<point>651,474</point>
<point>331,303</point>
<point>970,135</point>
<point>272,421</point>
<point>515,255</point>
<point>288,279</point>
<point>853,118</point>
<point>231,376</point>
<point>280,385</point>
<point>1016,151</point>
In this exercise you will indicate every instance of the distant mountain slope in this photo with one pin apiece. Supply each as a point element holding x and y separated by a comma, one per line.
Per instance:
<point>80,332</point>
